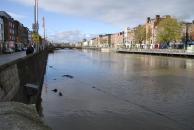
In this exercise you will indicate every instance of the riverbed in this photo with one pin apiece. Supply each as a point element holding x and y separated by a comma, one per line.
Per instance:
<point>92,90</point>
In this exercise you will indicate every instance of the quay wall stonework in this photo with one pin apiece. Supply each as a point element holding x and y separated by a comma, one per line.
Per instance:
<point>14,75</point>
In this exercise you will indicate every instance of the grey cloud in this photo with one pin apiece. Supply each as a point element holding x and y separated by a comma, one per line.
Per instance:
<point>69,36</point>
<point>16,16</point>
<point>121,13</point>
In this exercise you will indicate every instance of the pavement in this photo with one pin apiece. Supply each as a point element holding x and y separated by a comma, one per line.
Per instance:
<point>6,58</point>
<point>19,116</point>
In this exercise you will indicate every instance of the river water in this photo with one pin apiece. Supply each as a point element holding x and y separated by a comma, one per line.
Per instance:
<point>111,91</point>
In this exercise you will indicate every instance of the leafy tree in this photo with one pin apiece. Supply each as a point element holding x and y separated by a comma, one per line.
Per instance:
<point>140,34</point>
<point>169,29</point>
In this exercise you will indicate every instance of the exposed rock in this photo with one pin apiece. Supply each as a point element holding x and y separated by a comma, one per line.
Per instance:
<point>68,76</point>
<point>60,94</point>
<point>18,116</point>
<point>55,90</point>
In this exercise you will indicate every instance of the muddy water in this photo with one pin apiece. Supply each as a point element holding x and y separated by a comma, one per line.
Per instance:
<point>110,91</point>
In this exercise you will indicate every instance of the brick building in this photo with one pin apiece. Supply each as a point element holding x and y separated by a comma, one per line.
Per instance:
<point>104,40</point>
<point>117,40</point>
<point>9,30</point>
<point>21,34</point>
<point>186,32</point>
<point>192,32</point>
<point>151,28</point>
<point>1,34</point>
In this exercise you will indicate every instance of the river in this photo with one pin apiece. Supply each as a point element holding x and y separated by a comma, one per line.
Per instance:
<point>111,91</point>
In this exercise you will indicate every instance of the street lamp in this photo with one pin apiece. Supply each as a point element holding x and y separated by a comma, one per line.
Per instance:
<point>35,26</point>
<point>186,36</point>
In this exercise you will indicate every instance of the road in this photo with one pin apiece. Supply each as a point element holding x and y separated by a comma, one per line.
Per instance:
<point>11,57</point>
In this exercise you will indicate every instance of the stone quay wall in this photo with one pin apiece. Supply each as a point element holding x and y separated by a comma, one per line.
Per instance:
<point>14,76</point>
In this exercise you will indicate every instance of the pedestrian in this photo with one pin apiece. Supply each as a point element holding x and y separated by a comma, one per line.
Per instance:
<point>30,50</point>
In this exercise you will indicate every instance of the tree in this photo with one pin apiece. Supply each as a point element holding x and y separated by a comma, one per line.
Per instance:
<point>140,34</point>
<point>169,29</point>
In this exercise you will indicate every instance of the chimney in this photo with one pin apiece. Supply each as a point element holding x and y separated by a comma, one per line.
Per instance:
<point>148,19</point>
<point>157,16</point>
<point>157,20</point>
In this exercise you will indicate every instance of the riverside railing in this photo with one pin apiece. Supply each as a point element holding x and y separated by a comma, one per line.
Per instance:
<point>175,52</point>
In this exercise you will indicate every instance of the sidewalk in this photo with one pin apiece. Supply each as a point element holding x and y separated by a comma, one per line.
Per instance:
<point>164,52</point>
<point>5,58</point>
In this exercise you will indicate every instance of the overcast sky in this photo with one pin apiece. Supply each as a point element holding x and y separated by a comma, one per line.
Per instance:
<point>72,20</point>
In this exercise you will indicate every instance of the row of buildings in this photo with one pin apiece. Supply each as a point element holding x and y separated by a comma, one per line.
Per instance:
<point>13,34</point>
<point>126,38</point>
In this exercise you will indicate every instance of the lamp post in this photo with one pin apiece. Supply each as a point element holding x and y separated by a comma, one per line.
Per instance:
<point>35,26</point>
<point>186,36</point>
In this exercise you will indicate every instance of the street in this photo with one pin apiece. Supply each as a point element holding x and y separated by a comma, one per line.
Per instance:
<point>11,57</point>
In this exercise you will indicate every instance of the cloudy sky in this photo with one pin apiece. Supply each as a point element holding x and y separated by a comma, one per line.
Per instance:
<point>72,20</point>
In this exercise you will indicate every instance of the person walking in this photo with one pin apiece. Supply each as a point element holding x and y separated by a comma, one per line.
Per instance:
<point>30,50</point>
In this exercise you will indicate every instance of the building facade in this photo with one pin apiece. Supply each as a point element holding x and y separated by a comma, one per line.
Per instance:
<point>1,34</point>
<point>93,42</point>
<point>21,34</point>
<point>117,40</point>
<point>9,30</point>
<point>129,37</point>
<point>104,40</point>
<point>186,32</point>
<point>192,31</point>
<point>151,30</point>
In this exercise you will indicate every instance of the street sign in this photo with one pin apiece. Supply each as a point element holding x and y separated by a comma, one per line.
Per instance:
<point>35,37</point>
<point>35,27</point>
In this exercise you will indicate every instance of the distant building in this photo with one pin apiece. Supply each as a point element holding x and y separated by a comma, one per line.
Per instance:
<point>103,40</point>
<point>192,32</point>
<point>151,28</point>
<point>186,32</point>
<point>1,34</point>
<point>117,40</point>
<point>93,42</point>
<point>85,43</point>
<point>99,39</point>
<point>129,37</point>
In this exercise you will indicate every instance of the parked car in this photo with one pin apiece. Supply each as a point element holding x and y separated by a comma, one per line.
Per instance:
<point>18,49</point>
<point>8,51</point>
<point>24,48</point>
<point>191,43</point>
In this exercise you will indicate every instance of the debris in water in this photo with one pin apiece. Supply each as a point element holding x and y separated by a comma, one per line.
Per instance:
<point>60,94</point>
<point>68,76</point>
<point>55,90</point>
<point>93,87</point>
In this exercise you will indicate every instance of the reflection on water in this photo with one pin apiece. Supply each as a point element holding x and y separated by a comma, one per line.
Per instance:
<point>111,91</point>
